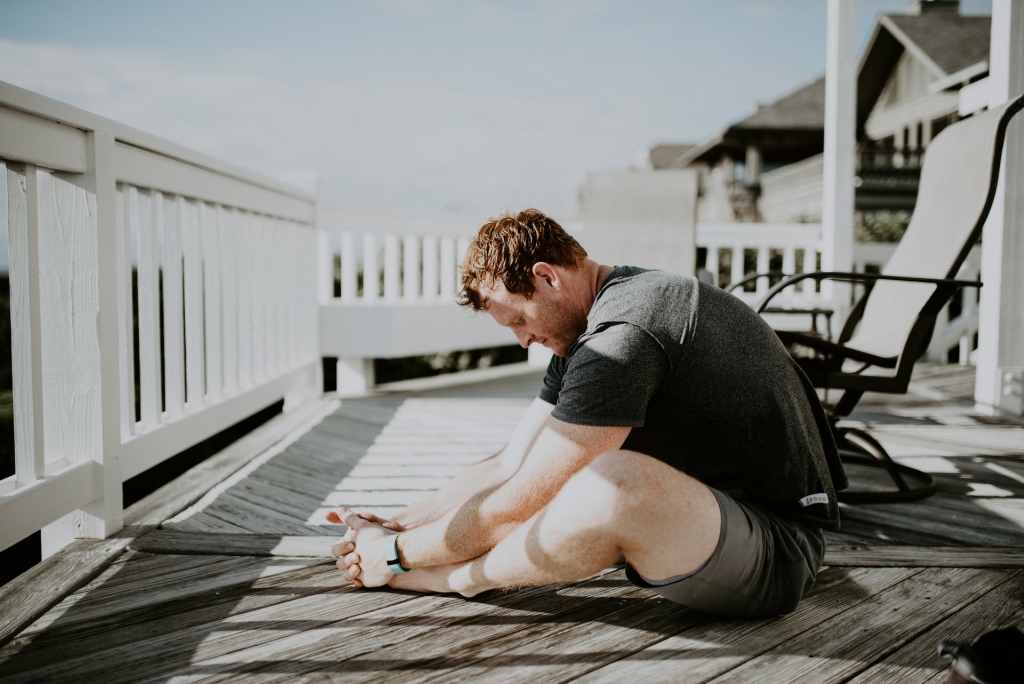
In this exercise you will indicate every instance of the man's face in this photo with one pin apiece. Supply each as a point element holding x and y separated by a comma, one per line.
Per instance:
<point>544,317</point>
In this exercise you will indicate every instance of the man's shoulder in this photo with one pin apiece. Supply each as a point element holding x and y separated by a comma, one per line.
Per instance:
<point>642,296</point>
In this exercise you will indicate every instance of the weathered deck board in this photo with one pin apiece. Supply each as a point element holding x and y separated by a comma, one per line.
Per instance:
<point>721,645</point>
<point>81,628</point>
<point>297,487</point>
<point>237,585</point>
<point>884,623</point>
<point>917,661</point>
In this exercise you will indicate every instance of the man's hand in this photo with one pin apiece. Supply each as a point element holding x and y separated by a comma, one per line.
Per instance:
<point>362,552</point>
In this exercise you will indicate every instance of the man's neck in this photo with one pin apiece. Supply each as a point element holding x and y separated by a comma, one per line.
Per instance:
<point>595,275</point>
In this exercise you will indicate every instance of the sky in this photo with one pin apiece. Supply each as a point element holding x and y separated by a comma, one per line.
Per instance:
<point>443,105</point>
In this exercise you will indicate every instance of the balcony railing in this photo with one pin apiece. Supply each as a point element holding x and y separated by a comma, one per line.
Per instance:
<point>159,297</point>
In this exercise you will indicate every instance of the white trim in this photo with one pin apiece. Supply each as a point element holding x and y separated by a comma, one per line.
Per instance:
<point>961,77</point>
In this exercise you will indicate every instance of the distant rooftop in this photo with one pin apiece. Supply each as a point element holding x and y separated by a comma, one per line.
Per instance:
<point>943,40</point>
<point>951,41</point>
<point>801,109</point>
<point>664,156</point>
<point>792,126</point>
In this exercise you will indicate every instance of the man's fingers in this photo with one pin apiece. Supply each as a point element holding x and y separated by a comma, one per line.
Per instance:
<point>352,559</point>
<point>346,517</point>
<point>351,571</point>
<point>383,522</point>
<point>341,548</point>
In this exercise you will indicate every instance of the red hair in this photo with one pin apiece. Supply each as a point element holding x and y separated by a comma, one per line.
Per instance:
<point>505,250</point>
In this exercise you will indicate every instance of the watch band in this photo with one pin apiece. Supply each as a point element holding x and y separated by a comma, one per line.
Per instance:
<point>393,561</point>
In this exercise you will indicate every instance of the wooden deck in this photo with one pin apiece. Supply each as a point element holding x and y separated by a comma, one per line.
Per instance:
<point>236,584</point>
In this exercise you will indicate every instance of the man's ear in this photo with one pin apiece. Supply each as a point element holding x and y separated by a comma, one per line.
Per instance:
<point>546,273</point>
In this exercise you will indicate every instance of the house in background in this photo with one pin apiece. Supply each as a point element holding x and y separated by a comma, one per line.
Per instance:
<point>913,80</point>
<point>733,163</point>
<point>908,90</point>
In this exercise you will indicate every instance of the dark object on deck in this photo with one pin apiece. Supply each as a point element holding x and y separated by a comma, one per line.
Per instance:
<point>890,326</point>
<point>996,657</point>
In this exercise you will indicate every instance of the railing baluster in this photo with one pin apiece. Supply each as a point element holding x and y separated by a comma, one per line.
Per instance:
<point>228,250</point>
<point>258,283</point>
<point>737,271</point>
<point>284,262</point>
<point>430,273</point>
<point>174,310</point>
<point>392,273</point>
<point>195,372</point>
<point>447,268</point>
<point>461,247</point>
<point>789,260</point>
<point>763,254</point>
<point>26,328</point>
<point>210,243</point>
<point>147,274</point>
<point>371,268</point>
<point>126,300</point>
<point>411,268</point>
<point>349,270</point>
<point>244,260</point>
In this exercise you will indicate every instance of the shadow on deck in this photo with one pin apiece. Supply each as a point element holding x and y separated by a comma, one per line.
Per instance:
<point>238,584</point>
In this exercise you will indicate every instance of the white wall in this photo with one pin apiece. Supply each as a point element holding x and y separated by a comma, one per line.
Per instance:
<point>641,218</point>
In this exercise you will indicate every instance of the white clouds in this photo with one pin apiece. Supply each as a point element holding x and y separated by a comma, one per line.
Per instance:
<point>370,142</point>
<point>469,106</point>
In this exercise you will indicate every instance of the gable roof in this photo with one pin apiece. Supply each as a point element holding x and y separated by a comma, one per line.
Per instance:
<point>804,108</point>
<point>950,41</point>
<point>946,43</point>
<point>796,119</point>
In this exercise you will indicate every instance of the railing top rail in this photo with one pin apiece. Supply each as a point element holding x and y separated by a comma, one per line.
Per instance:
<point>19,99</point>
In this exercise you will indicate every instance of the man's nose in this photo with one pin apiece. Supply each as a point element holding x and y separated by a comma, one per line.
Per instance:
<point>524,338</point>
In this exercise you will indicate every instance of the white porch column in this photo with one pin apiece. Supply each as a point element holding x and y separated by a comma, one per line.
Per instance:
<point>998,387</point>
<point>840,146</point>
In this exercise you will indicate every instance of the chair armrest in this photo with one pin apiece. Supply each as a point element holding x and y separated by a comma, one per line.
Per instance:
<point>844,276</point>
<point>755,276</point>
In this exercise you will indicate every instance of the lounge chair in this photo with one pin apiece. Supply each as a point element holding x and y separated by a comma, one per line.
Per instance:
<point>889,327</point>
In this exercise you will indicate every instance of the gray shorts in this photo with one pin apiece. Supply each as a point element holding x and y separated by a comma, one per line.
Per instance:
<point>763,565</point>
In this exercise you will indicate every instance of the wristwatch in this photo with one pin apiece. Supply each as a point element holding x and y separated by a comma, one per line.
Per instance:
<point>392,559</point>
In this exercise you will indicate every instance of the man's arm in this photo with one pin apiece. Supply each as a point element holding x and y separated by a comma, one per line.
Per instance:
<point>482,520</point>
<point>480,476</point>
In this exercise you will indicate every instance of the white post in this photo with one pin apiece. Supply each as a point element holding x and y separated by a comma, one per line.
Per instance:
<point>26,328</point>
<point>82,406</point>
<point>1000,375</point>
<point>840,133</point>
<point>355,375</point>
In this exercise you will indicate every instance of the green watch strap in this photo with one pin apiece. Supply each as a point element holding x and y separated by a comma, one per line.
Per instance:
<point>393,561</point>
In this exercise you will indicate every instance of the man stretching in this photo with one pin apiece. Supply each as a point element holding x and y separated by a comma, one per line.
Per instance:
<point>672,429</point>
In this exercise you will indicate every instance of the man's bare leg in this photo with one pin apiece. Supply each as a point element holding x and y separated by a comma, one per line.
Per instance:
<point>624,504</point>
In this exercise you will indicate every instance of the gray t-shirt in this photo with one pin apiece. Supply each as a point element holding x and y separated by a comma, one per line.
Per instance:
<point>707,387</point>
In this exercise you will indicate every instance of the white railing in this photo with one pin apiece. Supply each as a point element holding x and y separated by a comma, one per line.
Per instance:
<point>796,248</point>
<point>158,297</point>
<point>735,250</point>
<point>389,285</point>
